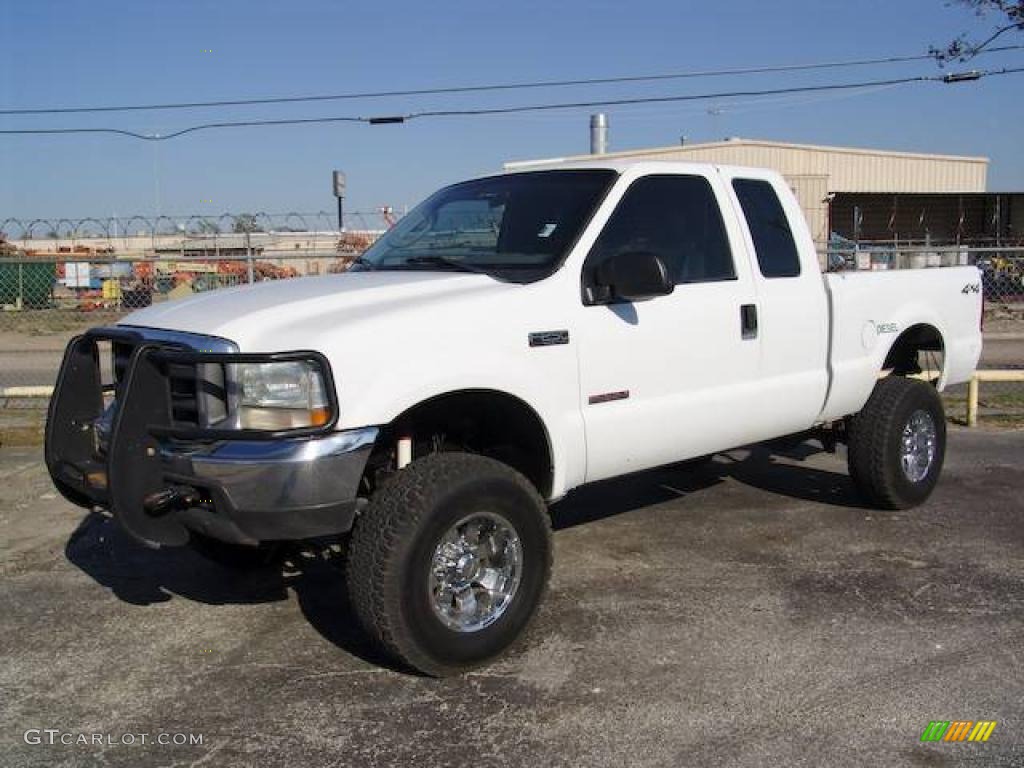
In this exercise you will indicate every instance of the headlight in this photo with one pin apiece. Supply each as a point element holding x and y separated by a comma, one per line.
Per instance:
<point>285,395</point>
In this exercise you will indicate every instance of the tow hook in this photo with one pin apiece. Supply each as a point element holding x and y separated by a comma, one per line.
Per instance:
<point>160,503</point>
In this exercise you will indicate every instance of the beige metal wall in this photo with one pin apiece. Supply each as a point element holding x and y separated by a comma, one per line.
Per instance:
<point>816,171</point>
<point>847,170</point>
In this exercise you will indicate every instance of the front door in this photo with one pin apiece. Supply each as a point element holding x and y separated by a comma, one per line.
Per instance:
<point>675,376</point>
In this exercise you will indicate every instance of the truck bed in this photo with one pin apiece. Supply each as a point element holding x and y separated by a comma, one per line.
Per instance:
<point>870,310</point>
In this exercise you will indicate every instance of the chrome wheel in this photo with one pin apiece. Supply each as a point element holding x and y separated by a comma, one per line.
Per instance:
<point>475,572</point>
<point>918,446</point>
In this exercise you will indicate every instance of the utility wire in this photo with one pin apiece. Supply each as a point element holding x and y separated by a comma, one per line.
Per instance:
<point>392,119</point>
<point>206,126</point>
<point>660,99</point>
<point>493,86</point>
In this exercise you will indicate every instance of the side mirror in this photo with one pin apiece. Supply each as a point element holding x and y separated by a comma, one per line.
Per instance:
<point>631,276</point>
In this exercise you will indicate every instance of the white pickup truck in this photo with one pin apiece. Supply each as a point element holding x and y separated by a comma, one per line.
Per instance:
<point>512,338</point>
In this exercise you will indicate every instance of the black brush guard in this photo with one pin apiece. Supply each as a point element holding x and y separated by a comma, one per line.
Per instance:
<point>133,477</point>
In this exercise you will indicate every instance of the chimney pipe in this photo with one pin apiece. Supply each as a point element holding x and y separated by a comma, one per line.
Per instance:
<point>598,134</point>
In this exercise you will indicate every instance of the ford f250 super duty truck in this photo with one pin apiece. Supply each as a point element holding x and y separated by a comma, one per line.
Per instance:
<point>512,338</point>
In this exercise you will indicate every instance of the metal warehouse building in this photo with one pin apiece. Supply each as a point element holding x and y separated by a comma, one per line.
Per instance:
<point>818,174</point>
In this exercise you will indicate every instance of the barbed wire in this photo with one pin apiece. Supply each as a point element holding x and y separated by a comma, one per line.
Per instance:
<point>110,227</point>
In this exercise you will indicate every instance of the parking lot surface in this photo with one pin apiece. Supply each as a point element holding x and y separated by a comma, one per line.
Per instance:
<point>747,613</point>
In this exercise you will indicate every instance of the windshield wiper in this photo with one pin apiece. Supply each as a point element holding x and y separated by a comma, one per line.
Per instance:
<point>368,265</point>
<point>447,261</point>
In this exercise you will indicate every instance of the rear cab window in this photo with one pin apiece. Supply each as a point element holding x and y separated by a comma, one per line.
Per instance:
<point>776,250</point>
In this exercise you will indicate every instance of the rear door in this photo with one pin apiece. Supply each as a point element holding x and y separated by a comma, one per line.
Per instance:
<point>793,308</point>
<point>675,376</point>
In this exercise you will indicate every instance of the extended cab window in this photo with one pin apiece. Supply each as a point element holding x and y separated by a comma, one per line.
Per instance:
<point>674,217</point>
<point>773,240</point>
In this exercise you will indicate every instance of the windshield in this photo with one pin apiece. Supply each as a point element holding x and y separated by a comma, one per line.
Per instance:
<point>517,227</point>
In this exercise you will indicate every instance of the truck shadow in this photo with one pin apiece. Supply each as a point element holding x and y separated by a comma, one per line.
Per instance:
<point>141,576</point>
<point>772,468</point>
<point>761,468</point>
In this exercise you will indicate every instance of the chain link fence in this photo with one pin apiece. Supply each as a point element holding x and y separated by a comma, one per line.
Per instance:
<point>999,403</point>
<point>45,301</point>
<point>1002,268</point>
<point>1002,272</point>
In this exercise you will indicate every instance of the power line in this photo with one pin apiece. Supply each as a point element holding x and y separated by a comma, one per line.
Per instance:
<point>661,99</point>
<point>392,119</point>
<point>771,69</point>
<point>205,126</point>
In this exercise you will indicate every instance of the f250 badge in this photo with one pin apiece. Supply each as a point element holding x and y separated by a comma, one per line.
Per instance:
<point>548,338</point>
<point>971,288</point>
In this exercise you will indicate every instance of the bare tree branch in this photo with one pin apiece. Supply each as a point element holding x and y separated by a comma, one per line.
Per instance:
<point>962,49</point>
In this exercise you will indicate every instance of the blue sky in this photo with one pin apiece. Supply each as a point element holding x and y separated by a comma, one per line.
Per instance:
<point>86,53</point>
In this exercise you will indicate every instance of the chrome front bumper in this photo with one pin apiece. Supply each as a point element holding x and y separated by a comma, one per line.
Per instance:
<point>250,491</point>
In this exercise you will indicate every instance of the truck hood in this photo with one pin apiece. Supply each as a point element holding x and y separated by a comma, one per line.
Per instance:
<point>293,313</point>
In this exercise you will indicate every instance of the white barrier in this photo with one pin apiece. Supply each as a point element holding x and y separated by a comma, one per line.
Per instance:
<point>972,389</point>
<point>9,392</point>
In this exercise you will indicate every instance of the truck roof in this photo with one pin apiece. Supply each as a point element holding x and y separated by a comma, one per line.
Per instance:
<point>623,165</point>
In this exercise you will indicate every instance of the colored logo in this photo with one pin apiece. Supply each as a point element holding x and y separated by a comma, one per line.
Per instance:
<point>958,730</point>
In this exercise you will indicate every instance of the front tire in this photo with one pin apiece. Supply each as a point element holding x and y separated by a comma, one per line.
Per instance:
<point>449,562</point>
<point>897,443</point>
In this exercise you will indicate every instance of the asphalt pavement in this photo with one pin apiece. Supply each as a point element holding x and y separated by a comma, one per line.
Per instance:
<point>749,613</point>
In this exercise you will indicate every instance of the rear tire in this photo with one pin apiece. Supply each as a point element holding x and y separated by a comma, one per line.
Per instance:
<point>427,542</point>
<point>897,443</point>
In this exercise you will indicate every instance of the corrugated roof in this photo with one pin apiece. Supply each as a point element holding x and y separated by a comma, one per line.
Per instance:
<point>737,142</point>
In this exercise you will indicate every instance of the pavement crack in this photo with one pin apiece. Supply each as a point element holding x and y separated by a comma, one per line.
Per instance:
<point>339,673</point>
